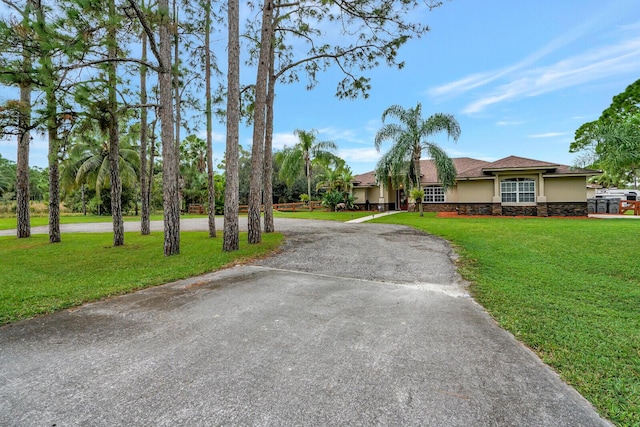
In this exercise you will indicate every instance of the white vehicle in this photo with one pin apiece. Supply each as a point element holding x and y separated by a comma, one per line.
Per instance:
<point>610,193</point>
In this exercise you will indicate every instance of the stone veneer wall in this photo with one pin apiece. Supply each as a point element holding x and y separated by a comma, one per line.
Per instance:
<point>542,210</point>
<point>475,209</point>
<point>568,209</point>
<point>551,209</point>
<point>439,207</point>
<point>520,211</point>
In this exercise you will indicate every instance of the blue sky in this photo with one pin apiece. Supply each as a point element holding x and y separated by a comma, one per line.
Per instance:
<point>520,77</point>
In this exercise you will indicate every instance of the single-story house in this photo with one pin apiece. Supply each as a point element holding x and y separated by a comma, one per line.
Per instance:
<point>510,186</point>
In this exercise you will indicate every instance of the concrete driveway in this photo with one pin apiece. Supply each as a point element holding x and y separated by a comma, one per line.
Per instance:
<point>351,324</point>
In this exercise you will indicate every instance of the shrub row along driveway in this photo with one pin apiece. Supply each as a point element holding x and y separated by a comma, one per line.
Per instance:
<point>351,324</point>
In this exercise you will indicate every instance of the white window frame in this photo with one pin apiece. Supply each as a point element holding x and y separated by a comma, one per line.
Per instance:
<point>434,194</point>
<point>520,191</point>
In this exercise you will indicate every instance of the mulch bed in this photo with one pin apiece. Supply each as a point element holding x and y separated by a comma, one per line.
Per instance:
<point>455,215</point>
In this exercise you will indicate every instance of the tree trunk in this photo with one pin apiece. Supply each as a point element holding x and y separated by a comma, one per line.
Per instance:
<point>54,175</point>
<point>114,141</point>
<point>308,167</point>
<point>207,77</point>
<point>231,193</point>
<point>269,226</point>
<point>257,151</point>
<point>178,97</point>
<point>169,158</point>
<point>420,208</point>
<point>84,201</point>
<point>23,212</point>
<point>152,159</point>
<point>145,214</point>
<point>417,153</point>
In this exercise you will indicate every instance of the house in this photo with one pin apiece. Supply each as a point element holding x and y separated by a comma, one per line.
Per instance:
<point>510,186</point>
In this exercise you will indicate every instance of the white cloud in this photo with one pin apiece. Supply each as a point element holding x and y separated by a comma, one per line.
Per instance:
<point>596,64</point>
<point>280,140</point>
<point>473,81</point>
<point>521,80</point>
<point>508,123</point>
<point>359,154</point>
<point>215,136</point>
<point>548,135</point>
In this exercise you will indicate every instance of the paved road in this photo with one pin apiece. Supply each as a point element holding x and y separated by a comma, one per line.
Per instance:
<point>351,324</point>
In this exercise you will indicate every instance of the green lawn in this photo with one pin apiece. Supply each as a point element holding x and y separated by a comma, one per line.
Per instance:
<point>568,288</point>
<point>9,223</point>
<point>37,277</point>
<point>321,214</point>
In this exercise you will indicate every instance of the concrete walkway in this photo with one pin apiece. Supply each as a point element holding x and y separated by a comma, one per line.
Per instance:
<point>613,216</point>
<point>372,216</point>
<point>351,324</point>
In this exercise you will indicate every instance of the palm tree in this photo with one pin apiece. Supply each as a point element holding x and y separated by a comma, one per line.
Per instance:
<point>87,163</point>
<point>299,158</point>
<point>402,162</point>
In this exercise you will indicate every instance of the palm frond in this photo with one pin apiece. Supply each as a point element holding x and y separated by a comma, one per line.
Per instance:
<point>444,166</point>
<point>440,122</point>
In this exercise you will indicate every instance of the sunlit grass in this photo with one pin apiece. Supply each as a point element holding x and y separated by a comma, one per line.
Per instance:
<point>37,277</point>
<point>568,288</point>
<point>321,214</point>
<point>10,222</point>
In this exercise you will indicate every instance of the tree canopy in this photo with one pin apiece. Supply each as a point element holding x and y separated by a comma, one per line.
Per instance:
<point>612,142</point>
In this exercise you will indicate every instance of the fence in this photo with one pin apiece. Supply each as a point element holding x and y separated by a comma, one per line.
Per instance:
<point>629,205</point>
<point>288,207</point>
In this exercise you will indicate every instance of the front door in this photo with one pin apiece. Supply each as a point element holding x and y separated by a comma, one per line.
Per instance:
<point>403,201</point>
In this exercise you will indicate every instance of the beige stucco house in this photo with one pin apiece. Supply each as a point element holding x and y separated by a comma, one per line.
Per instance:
<point>509,186</point>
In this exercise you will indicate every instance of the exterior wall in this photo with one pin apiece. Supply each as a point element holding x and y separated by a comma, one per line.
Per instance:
<point>363,194</point>
<point>569,189</point>
<point>568,209</point>
<point>565,196</point>
<point>519,210</point>
<point>475,209</point>
<point>439,207</point>
<point>480,191</point>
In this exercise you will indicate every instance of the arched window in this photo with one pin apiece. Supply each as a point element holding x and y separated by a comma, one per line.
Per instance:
<point>518,190</point>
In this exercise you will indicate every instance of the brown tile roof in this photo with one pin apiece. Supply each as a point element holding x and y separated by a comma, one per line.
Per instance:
<point>515,162</point>
<point>522,163</point>
<point>365,180</point>
<point>474,168</point>
<point>430,174</point>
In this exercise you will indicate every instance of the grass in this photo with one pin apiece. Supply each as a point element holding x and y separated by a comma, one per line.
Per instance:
<point>319,214</point>
<point>567,288</point>
<point>37,277</point>
<point>9,223</point>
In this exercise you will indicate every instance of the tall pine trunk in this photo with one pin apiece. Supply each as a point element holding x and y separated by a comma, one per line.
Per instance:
<point>231,193</point>
<point>269,226</point>
<point>207,77</point>
<point>114,139</point>
<point>257,151</point>
<point>177,106</point>
<point>170,189</point>
<point>23,213</point>
<point>54,174</point>
<point>145,214</point>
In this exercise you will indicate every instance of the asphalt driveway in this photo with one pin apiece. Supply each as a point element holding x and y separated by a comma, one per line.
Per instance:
<point>351,324</point>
